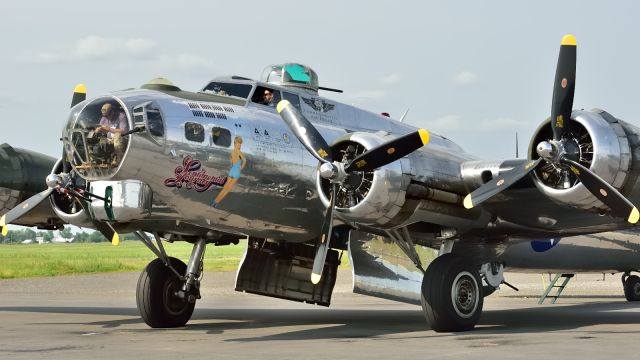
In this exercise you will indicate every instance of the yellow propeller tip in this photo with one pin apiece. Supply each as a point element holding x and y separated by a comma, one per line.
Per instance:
<point>468,203</point>
<point>115,240</point>
<point>634,216</point>
<point>281,105</point>
<point>315,278</point>
<point>424,136</point>
<point>2,221</point>
<point>5,230</point>
<point>569,40</point>
<point>80,88</point>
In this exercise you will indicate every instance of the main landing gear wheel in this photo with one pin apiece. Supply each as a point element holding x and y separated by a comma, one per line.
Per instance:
<point>632,288</point>
<point>157,298</point>
<point>451,294</point>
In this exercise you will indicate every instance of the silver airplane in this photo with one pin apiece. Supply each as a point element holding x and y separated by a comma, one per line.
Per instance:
<point>304,177</point>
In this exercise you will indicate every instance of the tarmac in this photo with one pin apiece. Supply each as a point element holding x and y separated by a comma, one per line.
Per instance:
<point>95,316</point>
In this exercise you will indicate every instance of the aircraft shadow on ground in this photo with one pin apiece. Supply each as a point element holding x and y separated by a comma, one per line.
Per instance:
<point>350,324</point>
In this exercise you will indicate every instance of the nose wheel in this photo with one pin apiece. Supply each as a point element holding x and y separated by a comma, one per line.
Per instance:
<point>451,294</point>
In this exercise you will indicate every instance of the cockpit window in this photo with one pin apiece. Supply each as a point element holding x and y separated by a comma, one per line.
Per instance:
<point>266,96</point>
<point>228,89</point>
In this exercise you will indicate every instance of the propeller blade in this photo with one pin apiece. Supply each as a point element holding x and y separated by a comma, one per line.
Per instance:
<point>620,206</point>
<point>304,131</point>
<point>564,86</point>
<point>497,185</point>
<point>389,152</point>
<point>23,208</point>
<point>79,94</point>
<point>322,247</point>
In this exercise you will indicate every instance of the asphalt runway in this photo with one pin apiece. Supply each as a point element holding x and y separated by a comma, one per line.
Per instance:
<point>95,316</point>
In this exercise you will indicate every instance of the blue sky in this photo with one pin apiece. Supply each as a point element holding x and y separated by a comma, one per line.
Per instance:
<point>474,71</point>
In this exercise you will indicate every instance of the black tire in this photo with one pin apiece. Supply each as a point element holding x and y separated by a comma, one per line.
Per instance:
<point>632,288</point>
<point>157,303</point>
<point>443,313</point>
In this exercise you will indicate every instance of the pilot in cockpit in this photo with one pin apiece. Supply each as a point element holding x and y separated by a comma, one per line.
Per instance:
<point>267,97</point>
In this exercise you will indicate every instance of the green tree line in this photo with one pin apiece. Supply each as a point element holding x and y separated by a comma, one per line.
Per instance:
<point>20,235</point>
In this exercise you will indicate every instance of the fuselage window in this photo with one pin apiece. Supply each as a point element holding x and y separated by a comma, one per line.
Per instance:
<point>194,132</point>
<point>228,89</point>
<point>220,136</point>
<point>154,119</point>
<point>266,96</point>
<point>294,99</point>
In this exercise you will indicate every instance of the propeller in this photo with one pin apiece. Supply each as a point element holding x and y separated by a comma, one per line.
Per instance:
<point>63,184</point>
<point>337,171</point>
<point>554,152</point>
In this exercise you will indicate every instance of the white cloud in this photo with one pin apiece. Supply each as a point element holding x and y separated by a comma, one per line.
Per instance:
<point>445,123</point>
<point>370,94</point>
<point>183,62</point>
<point>465,78</point>
<point>500,123</point>
<point>391,79</point>
<point>96,48</point>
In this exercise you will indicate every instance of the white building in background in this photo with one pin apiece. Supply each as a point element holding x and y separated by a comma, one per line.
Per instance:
<point>59,239</point>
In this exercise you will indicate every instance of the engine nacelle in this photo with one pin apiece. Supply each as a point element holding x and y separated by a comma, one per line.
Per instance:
<point>373,198</point>
<point>65,207</point>
<point>603,144</point>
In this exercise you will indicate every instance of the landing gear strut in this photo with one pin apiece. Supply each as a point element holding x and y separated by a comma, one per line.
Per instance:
<point>451,296</point>
<point>168,288</point>
<point>631,284</point>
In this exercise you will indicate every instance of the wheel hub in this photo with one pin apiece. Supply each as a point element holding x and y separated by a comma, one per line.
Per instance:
<point>464,294</point>
<point>174,304</point>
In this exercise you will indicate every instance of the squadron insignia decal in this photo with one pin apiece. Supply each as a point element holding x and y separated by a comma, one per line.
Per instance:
<point>318,104</point>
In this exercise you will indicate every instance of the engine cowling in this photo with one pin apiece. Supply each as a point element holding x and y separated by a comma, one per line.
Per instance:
<point>603,146</point>
<point>66,207</point>
<point>373,198</point>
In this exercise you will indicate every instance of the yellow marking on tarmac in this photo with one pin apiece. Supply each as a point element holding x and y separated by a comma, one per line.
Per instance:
<point>281,105</point>
<point>468,203</point>
<point>634,216</point>
<point>424,136</point>
<point>569,40</point>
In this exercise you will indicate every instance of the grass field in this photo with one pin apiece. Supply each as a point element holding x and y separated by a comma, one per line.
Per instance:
<point>33,260</point>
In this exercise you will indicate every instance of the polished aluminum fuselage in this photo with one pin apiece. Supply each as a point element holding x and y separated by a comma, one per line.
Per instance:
<point>276,195</point>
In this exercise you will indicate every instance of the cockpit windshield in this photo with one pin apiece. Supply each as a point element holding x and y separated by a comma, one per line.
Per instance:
<point>228,89</point>
<point>95,141</point>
